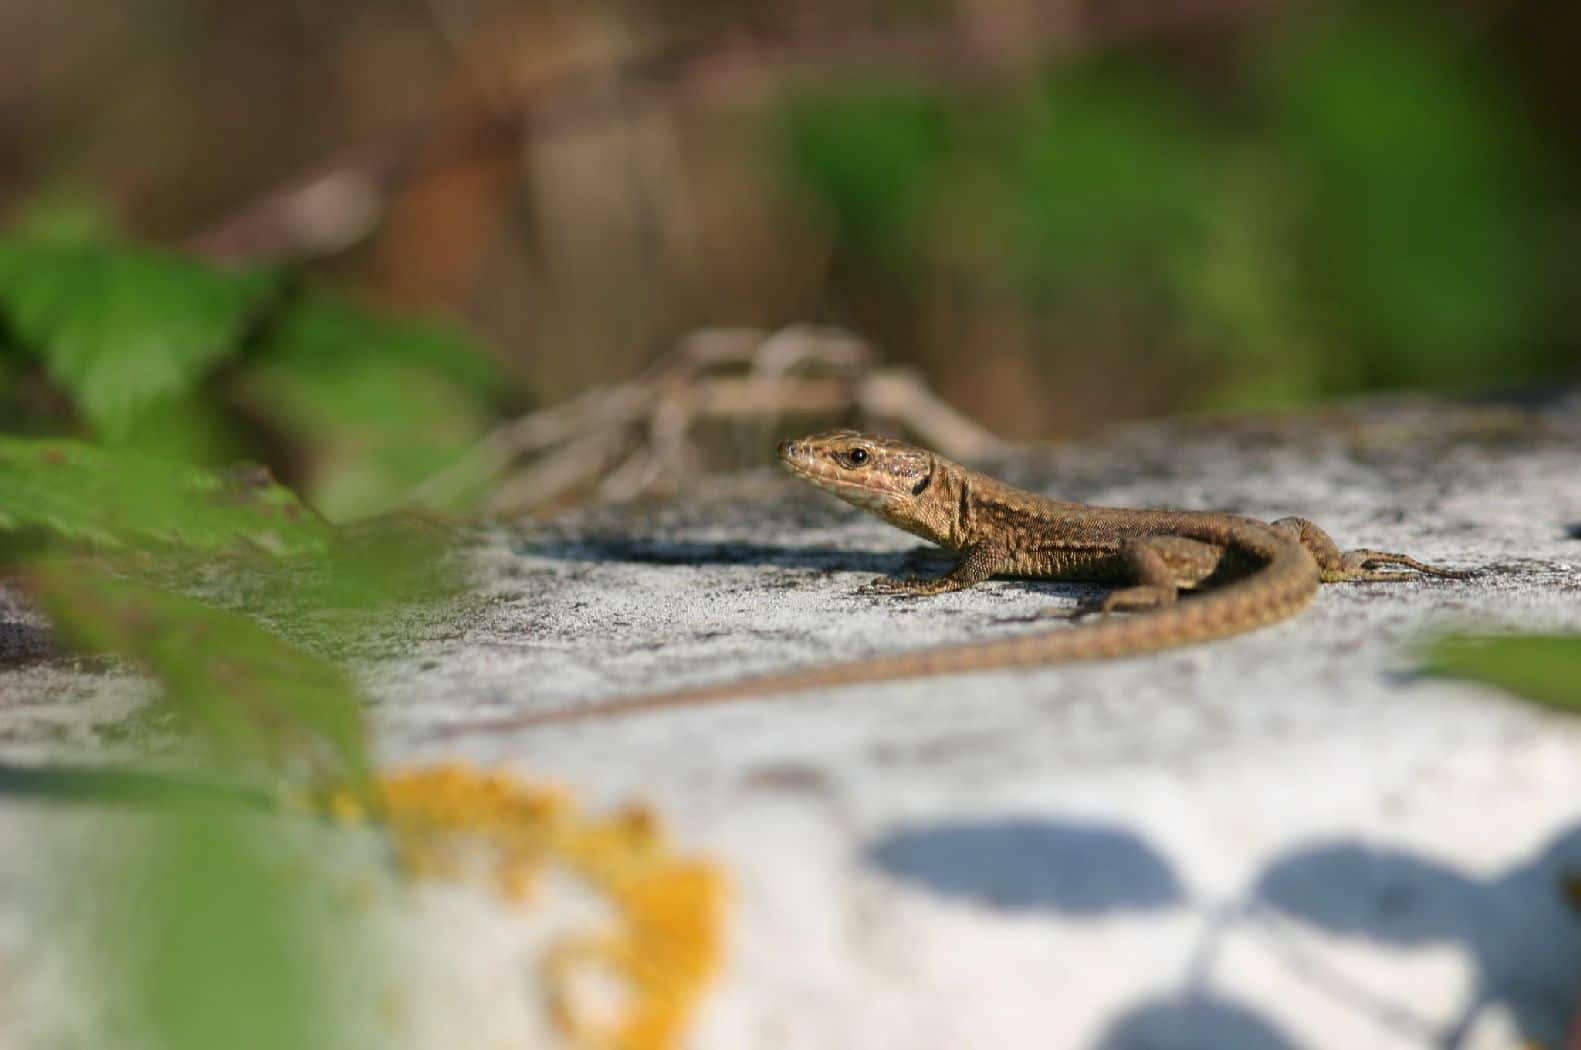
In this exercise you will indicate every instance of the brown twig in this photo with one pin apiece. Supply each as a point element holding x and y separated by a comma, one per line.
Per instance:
<point>624,441</point>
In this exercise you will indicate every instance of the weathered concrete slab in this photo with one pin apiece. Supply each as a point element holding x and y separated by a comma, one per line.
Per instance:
<point>1289,839</point>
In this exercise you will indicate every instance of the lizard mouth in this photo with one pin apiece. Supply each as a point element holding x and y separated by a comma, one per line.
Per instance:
<point>800,461</point>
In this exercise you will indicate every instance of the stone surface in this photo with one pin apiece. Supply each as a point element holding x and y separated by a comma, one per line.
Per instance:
<point>1288,839</point>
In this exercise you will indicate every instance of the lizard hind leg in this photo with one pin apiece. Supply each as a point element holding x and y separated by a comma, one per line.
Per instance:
<point>1162,566</point>
<point>1336,566</point>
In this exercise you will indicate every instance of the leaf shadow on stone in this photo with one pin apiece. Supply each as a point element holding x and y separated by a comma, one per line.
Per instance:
<point>1192,1022</point>
<point>725,552</point>
<point>1064,867</point>
<point>1521,930</point>
<point>23,643</point>
<point>921,561</point>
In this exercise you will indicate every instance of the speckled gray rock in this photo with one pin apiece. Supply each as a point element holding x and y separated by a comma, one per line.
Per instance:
<point>1285,839</point>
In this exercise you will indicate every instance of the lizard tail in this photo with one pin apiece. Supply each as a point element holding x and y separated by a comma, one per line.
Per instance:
<point>1278,590</point>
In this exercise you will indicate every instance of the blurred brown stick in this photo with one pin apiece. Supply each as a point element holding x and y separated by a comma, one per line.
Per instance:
<point>487,117</point>
<point>626,440</point>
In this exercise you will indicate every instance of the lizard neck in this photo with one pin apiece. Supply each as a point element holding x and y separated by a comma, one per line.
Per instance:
<point>931,513</point>
<point>960,508</point>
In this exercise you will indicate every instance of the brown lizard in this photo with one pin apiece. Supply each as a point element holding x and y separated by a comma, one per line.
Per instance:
<point>1270,571</point>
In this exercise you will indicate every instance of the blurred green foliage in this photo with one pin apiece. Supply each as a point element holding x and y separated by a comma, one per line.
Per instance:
<point>213,932</point>
<point>1370,216</point>
<point>1061,220</point>
<point>1421,201</point>
<point>117,499</point>
<point>381,404</point>
<point>138,344</point>
<point>163,353</point>
<point>1542,668</point>
<point>257,701</point>
<point>206,931</point>
<point>122,330</point>
<point>1103,175</point>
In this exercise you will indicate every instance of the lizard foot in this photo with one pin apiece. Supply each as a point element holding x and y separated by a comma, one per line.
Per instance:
<point>1048,612</point>
<point>908,587</point>
<point>1132,599</point>
<point>1336,566</point>
<point>1363,565</point>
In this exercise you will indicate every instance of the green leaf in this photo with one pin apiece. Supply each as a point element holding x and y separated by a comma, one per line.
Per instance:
<point>376,573</point>
<point>1544,668</point>
<point>247,692</point>
<point>209,929</point>
<point>383,404</point>
<point>376,564</point>
<point>120,328</point>
<point>115,499</point>
<point>195,428</point>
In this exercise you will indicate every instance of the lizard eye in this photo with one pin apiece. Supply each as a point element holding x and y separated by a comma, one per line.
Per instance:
<point>856,457</point>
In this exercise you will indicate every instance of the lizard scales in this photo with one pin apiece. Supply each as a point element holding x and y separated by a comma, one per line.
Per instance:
<point>1256,573</point>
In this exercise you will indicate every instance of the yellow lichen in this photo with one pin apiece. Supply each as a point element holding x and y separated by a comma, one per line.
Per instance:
<point>667,943</point>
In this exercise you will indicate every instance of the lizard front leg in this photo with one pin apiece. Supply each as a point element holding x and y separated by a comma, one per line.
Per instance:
<point>978,562</point>
<point>1336,566</point>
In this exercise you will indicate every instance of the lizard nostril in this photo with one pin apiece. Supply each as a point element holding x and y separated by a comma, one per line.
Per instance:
<point>788,449</point>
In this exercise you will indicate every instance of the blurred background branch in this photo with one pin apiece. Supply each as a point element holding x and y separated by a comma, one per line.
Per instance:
<point>645,437</point>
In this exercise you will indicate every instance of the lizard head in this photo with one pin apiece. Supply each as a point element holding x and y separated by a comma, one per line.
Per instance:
<point>875,473</point>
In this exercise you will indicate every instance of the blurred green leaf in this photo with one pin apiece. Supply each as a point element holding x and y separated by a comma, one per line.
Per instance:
<point>382,403</point>
<point>381,562</point>
<point>869,153</point>
<point>1544,668</point>
<point>122,328</point>
<point>192,427</point>
<point>132,785</point>
<point>375,573</point>
<point>212,929</point>
<point>117,498</point>
<point>1421,202</point>
<point>249,694</point>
